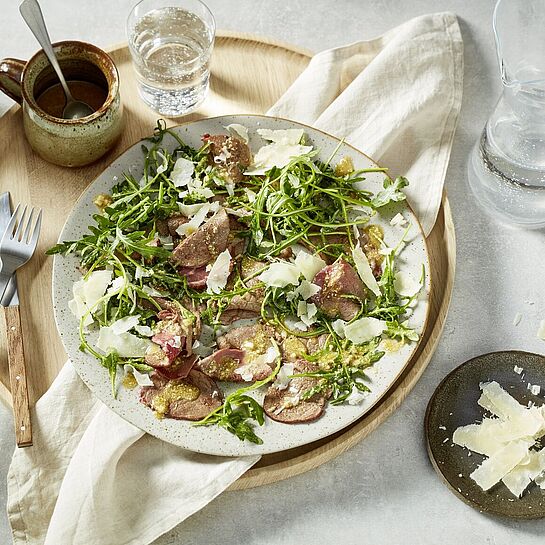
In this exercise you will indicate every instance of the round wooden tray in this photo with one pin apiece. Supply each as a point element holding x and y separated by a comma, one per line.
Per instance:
<point>249,74</point>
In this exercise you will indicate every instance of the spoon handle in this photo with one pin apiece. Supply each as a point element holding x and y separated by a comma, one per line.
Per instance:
<point>32,14</point>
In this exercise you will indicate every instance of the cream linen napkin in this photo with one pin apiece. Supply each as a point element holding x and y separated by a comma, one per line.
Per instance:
<point>93,479</point>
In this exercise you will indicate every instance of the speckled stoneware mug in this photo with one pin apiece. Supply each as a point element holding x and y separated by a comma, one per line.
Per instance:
<point>66,142</point>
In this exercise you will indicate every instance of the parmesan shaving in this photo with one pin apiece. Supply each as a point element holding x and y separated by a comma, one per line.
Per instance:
<point>398,219</point>
<point>306,290</point>
<point>506,438</point>
<point>496,400</point>
<point>240,131</point>
<point>363,330</point>
<point>282,136</point>
<point>282,378</point>
<point>125,344</point>
<point>195,222</point>
<point>182,172</point>
<point>356,396</point>
<point>219,273</point>
<point>280,274</point>
<point>478,438</point>
<point>518,479</point>
<point>142,379</point>
<point>309,265</point>
<point>364,270</point>
<point>144,330</point>
<point>284,145</point>
<point>87,292</point>
<point>405,284</point>
<point>125,324</point>
<point>189,210</point>
<point>495,468</point>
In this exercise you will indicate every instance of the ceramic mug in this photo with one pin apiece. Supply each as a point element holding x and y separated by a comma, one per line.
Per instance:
<point>66,142</point>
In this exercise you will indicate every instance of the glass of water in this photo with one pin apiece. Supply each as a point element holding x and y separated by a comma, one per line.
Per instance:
<point>170,42</point>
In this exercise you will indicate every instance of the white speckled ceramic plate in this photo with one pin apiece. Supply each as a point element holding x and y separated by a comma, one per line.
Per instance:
<point>276,436</point>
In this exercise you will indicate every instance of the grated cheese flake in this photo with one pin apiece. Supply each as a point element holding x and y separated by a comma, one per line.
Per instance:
<point>309,265</point>
<point>238,130</point>
<point>219,273</point>
<point>364,329</point>
<point>87,292</point>
<point>364,270</point>
<point>182,172</point>
<point>405,284</point>
<point>280,274</point>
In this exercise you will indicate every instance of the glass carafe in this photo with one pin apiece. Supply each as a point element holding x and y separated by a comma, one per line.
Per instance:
<point>507,165</point>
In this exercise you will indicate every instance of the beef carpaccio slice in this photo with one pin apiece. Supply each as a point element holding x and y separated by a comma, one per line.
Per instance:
<point>285,405</point>
<point>233,365</point>
<point>337,281</point>
<point>205,244</point>
<point>191,398</point>
<point>229,154</point>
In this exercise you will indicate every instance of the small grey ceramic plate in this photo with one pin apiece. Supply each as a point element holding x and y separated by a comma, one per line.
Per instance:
<point>454,404</point>
<point>276,436</point>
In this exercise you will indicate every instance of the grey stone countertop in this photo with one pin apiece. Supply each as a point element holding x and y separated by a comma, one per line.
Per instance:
<point>384,490</point>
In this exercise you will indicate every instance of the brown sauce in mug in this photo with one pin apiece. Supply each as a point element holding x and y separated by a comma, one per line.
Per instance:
<point>52,100</point>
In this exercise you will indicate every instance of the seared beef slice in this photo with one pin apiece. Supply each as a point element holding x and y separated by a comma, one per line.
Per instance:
<point>337,282</point>
<point>205,244</point>
<point>191,398</point>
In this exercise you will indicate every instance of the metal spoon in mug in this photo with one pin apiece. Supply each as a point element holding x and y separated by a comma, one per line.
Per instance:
<point>32,14</point>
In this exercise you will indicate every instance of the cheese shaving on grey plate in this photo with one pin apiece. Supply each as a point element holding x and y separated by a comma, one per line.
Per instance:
<point>508,439</point>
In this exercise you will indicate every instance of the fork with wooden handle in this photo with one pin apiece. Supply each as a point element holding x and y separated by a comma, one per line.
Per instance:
<point>16,248</point>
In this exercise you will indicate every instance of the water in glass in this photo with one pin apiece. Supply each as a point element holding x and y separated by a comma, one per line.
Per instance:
<point>171,53</point>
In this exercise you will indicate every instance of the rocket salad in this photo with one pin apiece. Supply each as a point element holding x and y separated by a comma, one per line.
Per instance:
<point>222,264</point>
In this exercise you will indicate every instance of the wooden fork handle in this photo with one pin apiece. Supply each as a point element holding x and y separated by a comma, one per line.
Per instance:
<point>17,376</point>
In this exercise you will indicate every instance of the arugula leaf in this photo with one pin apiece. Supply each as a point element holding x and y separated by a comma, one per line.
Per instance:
<point>391,192</point>
<point>401,331</point>
<point>345,373</point>
<point>111,361</point>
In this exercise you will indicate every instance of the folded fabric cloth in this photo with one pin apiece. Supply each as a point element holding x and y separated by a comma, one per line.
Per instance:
<point>396,98</point>
<point>90,475</point>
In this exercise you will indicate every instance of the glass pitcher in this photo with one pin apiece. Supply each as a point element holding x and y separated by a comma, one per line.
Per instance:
<point>506,170</point>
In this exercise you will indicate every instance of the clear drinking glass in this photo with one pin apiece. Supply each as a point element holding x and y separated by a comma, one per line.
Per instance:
<point>507,166</point>
<point>170,43</point>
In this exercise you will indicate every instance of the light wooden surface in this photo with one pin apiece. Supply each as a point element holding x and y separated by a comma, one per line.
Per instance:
<point>248,76</point>
<point>17,375</point>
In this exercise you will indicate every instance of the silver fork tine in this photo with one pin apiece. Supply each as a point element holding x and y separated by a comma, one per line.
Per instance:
<point>9,229</point>
<point>28,225</point>
<point>20,224</point>
<point>36,232</point>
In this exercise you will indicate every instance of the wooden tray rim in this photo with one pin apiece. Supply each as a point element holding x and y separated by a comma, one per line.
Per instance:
<point>405,382</point>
